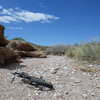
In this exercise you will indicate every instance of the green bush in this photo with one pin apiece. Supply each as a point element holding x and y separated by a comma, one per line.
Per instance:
<point>19,38</point>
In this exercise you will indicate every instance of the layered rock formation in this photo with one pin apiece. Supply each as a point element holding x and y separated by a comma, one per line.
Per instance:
<point>21,45</point>
<point>8,56</point>
<point>3,40</point>
<point>11,51</point>
<point>35,54</point>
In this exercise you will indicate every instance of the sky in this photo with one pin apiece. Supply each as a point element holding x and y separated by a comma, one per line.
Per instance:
<point>51,22</point>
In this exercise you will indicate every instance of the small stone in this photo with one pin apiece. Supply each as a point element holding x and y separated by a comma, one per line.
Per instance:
<point>77,81</point>
<point>73,72</point>
<point>72,78</point>
<point>85,95</point>
<point>37,94</point>
<point>84,73</point>
<point>91,65</point>
<point>29,94</point>
<point>67,93</point>
<point>54,71</point>
<point>98,86</point>
<point>93,94</point>
<point>73,84</point>
<point>95,75</point>
<point>11,98</point>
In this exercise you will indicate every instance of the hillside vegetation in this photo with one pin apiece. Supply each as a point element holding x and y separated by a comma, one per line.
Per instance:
<point>89,52</point>
<point>84,52</point>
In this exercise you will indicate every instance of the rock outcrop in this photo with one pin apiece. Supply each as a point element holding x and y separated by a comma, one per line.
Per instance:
<point>8,56</point>
<point>3,40</point>
<point>11,51</point>
<point>21,46</point>
<point>35,54</point>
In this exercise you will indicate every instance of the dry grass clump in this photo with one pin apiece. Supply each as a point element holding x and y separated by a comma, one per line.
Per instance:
<point>56,50</point>
<point>88,52</point>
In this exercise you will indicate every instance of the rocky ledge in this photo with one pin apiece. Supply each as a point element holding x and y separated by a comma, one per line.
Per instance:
<point>12,50</point>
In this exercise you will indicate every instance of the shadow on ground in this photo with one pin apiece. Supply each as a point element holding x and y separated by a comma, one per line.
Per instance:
<point>12,66</point>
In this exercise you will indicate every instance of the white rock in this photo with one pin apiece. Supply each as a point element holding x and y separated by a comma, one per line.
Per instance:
<point>54,70</point>
<point>77,81</point>
<point>84,95</point>
<point>92,94</point>
<point>84,73</point>
<point>91,65</point>
<point>72,78</point>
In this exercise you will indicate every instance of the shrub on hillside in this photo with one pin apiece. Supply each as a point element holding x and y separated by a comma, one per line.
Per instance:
<point>19,38</point>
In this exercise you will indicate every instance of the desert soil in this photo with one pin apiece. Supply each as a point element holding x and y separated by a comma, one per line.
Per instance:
<point>69,82</point>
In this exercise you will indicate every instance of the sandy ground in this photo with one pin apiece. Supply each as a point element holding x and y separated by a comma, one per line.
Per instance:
<point>69,83</point>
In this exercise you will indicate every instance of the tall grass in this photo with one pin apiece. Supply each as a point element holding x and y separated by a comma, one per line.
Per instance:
<point>56,50</point>
<point>89,52</point>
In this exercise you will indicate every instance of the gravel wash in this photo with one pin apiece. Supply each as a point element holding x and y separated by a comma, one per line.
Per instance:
<point>69,83</point>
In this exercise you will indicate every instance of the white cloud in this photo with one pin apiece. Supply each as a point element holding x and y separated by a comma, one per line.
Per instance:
<point>7,19</point>
<point>19,15</point>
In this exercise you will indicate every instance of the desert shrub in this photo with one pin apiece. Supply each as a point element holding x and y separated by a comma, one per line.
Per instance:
<point>19,38</point>
<point>56,50</point>
<point>88,51</point>
<point>70,51</point>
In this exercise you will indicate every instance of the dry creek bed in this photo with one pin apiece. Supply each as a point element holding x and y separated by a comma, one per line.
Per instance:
<point>69,83</point>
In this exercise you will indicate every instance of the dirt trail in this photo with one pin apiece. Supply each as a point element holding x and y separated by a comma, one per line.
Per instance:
<point>69,83</point>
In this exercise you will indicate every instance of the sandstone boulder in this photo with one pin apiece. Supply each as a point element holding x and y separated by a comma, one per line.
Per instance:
<point>21,45</point>
<point>36,54</point>
<point>8,56</point>
<point>11,51</point>
<point>3,40</point>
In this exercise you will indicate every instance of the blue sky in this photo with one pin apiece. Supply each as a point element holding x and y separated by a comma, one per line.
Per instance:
<point>51,22</point>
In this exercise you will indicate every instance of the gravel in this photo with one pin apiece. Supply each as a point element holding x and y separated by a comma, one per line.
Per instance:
<point>69,83</point>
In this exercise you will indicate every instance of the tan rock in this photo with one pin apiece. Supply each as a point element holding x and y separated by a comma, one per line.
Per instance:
<point>3,40</point>
<point>21,45</point>
<point>31,54</point>
<point>8,56</point>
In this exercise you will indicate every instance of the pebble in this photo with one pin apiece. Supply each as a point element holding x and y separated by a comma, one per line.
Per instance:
<point>93,94</point>
<point>54,70</point>
<point>75,80</point>
<point>84,73</point>
<point>67,93</point>
<point>98,86</point>
<point>11,98</point>
<point>73,72</point>
<point>84,95</point>
<point>91,65</point>
<point>29,94</point>
<point>72,78</point>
